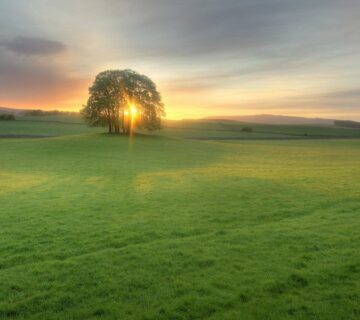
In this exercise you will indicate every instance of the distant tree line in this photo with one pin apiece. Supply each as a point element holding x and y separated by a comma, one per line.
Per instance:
<point>123,100</point>
<point>347,124</point>
<point>38,112</point>
<point>7,116</point>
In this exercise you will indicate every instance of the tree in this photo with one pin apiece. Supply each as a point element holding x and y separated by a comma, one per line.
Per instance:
<point>123,100</point>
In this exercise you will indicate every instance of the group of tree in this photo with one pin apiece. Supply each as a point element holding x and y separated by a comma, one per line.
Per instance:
<point>123,100</point>
<point>7,116</point>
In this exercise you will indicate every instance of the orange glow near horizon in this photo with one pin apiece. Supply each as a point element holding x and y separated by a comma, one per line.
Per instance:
<point>280,97</point>
<point>216,102</point>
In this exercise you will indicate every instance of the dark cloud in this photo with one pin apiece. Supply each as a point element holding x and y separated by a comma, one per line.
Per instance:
<point>34,46</point>
<point>40,83</point>
<point>233,28</point>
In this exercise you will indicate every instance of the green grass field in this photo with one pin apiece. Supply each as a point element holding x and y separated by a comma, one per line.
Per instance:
<point>204,129</point>
<point>46,125</point>
<point>101,227</point>
<point>187,129</point>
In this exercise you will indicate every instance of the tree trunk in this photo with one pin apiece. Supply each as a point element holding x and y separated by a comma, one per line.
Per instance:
<point>128,129</point>
<point>117,128</point>
<point>110,128</point>
<point>122,122</point>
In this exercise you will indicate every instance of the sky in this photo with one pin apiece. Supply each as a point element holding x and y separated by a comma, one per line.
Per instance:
<point>207,57</point>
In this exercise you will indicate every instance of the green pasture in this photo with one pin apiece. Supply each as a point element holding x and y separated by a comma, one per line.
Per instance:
<point>49,126</point>
<point>233,129</point>
<point>189,129</point>
<point>157,227</point>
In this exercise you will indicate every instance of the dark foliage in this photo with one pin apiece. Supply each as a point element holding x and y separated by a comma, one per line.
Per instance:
<point>113,96</point>
<point>247,129</point>
<point>7,116</point>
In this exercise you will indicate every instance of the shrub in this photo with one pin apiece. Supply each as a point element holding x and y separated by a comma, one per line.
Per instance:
<point>247,129</point>
<point>7,116</point>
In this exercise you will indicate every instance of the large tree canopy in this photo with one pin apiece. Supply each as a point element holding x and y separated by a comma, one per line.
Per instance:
<point>123,100</point>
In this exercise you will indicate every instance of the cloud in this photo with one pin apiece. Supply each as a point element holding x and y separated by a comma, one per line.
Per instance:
<point>34,72</point>
<point>34,46</point>
<point>344,94</point>
<point>27,82</point>
<point>344,103</point>
<point>232,28</point>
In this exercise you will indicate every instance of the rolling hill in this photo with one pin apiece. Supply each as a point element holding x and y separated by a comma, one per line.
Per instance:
<point>274,119</point>
<point>10,110</point>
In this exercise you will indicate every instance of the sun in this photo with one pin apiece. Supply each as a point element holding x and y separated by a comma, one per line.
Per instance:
<point>133,111</point>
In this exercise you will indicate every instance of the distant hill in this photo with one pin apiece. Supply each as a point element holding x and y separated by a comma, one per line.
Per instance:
<point>275,119</point>
<point>37,112</point>
<point>347,124</point>
<point>11,110</point>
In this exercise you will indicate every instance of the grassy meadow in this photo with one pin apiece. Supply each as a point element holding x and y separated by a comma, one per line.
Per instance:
<point>225,129</point>
<point>46,126</point>
<point>169,226</point>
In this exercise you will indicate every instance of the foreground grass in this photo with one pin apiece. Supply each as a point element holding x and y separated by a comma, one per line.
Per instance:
<point>94,226</point>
